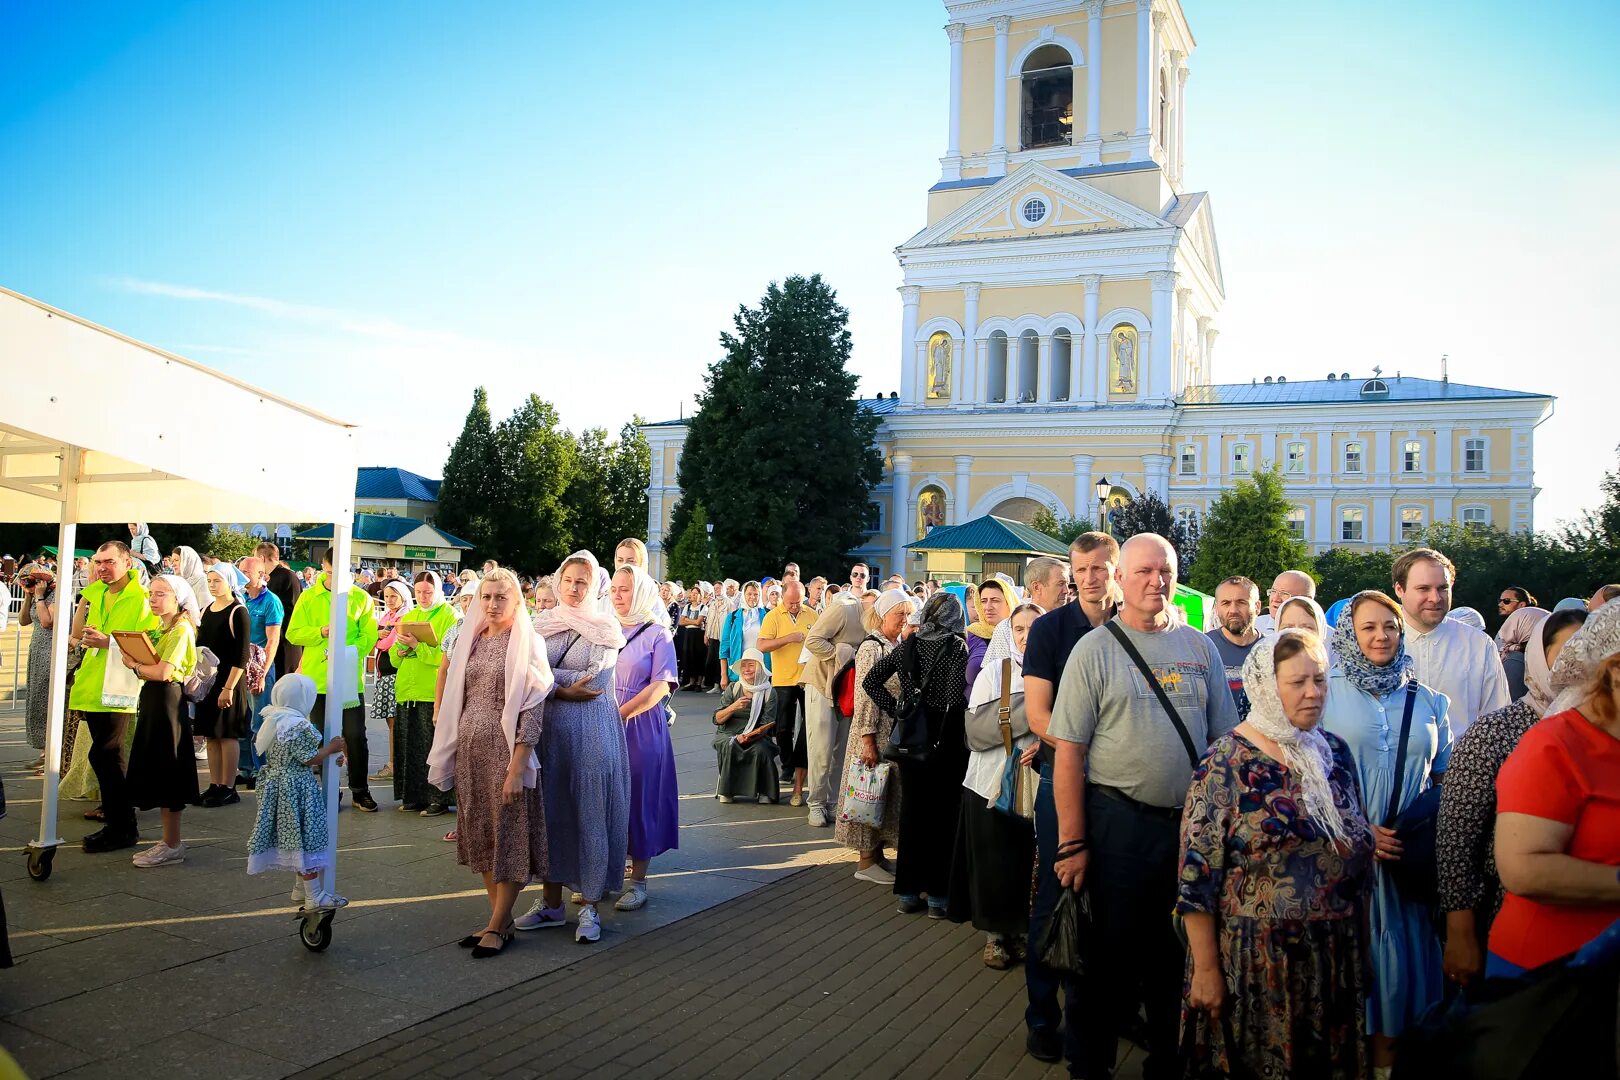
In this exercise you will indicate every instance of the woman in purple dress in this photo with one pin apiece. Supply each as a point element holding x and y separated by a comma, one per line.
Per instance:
<point>645,676</point>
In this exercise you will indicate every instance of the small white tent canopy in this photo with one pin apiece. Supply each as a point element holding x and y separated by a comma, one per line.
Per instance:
<point>95,426</point>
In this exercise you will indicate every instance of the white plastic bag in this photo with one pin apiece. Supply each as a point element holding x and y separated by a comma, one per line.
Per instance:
<point>863,793</point>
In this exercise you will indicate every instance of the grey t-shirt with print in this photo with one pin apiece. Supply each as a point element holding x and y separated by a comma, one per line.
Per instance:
<point>1104,702</point>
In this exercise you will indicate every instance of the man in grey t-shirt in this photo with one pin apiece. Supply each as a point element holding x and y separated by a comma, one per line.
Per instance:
<point>1121,774</point>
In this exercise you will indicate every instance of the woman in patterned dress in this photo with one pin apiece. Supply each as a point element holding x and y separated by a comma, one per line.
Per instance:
<point>1275,862</point>
<point>489,699</point>
<point>39,611</point>
<point>1464,843</point>
<point>290,831</point>
<point>868,730</point>
<point>398,598</point>
<point>583,751</point>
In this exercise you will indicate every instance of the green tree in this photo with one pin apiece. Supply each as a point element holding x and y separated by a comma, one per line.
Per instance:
<point>533,525</point>
<point>474,485</point>
<point>1062,529</point>
<point>692,558</point>
<point>1148,514</point>
<point>228,544</point>
<point>1594,538</point>
<point>1246,532</point>
<point>779,446</point>
<point>1343,572</point>
<point>588,499</point>
<point>629,473</point>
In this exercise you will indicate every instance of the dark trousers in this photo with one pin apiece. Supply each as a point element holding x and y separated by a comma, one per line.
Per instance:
<point>789,729</point>
<point>1135,955</point>
<point>107,762</point>
<point>354,738</point>
<point>1042,982</point>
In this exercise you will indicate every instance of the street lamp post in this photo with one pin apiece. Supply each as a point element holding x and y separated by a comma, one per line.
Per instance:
<point>709,528</point>
<point>1103,488</point>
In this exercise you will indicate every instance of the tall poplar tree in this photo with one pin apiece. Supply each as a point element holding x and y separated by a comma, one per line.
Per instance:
<point>473,482</point>
<point>780,451</point>
<point>1246,532</point>
<point>537,459</point>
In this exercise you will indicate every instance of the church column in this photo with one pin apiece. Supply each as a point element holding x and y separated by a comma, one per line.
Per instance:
<point>1091,145</point>
<point>1201,377</point>
<point>900,515</point>
<point>1043,368</point>
<point>1172,144</point>
<point>1209,355</point>
<point>1144,74</point>
<point>998,148</point>
<point>1084,497</point>
<point>971,353</point>
<point>910,296</point>
<point>1181,358</point>
<point>1157,467</point>
<point>953,136</point>
<point>1181,109</point>
<point>1095,367</point>
<point>956,510</point>
<point>1157,383</point>
<point>1443,439</point>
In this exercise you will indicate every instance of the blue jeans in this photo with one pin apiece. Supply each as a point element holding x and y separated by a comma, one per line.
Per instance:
<point>1043,983</point>
<point>251,762</point>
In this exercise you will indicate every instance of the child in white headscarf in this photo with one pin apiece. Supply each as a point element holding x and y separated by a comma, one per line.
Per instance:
<point>291,831</point>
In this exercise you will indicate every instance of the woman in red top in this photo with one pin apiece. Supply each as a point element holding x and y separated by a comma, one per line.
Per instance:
<point>1558,812</point>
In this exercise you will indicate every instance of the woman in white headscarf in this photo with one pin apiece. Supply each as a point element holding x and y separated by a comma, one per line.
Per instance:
<point>741,631</point>
<point>488,704</point>
<point>1470,891</point>
<point>162,769</point>
<point>188,565</point>
<point>584,754</point>
<point>994,851</point>
<point>1275,856</point>
<point>743,724</point>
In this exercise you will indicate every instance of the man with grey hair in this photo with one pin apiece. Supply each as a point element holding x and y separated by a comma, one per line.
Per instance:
<point>1284,587</point>
<point>1044,584</point>
<point>1138,705</point>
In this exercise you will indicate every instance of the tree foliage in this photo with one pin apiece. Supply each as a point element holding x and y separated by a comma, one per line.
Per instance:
<point>1062,529</point>
<point>228,544</point>
<point>1246,532</point>
<point>692,558</point>
<point>533,525</point>
<point>473,482</point>
<point>780,447</point>
<point>1148,514</point>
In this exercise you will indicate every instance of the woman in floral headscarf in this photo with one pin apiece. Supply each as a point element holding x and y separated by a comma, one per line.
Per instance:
<point>1470,891</point>
<point>1368,694</point>
<point>1275,856</point>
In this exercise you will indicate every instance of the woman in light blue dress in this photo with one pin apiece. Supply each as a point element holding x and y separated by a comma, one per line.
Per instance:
<point>1366,701</point>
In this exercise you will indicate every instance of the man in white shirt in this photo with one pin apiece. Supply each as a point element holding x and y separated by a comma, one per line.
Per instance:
<point>1451,657</point>
<point>1286,586</point>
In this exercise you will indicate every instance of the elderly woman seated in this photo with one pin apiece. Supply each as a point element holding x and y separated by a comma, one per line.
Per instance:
<point>743,723</point>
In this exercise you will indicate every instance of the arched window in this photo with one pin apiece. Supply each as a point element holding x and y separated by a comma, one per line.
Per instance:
<point>996,386</point>
<point>1048,97</point>
<point>939,366</point>
<point>1062,363</point>
<point>1029,365</point>
<point>930,510</point>
<point>1164,107</point>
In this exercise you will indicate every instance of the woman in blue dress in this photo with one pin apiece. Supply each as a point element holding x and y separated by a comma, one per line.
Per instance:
<point>1366,700</point>
<point>584,759</point>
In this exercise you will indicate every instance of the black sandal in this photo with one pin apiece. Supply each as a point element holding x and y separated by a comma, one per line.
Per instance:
<point>471,940</point>
<point>481,952</point>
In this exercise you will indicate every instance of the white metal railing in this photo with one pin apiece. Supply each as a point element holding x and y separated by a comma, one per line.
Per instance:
<point>11,650</point>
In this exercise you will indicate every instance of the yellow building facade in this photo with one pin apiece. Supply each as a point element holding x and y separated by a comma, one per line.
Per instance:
<point>1061,305</point>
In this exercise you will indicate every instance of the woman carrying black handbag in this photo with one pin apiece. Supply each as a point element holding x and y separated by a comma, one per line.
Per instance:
<point>932,668</point>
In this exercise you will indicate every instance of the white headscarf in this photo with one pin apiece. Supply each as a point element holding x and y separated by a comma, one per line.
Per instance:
<point>528,681</point>
<point>759,691</point>
<point>191,568</point>
<point>888,601</point>
<point>184,595</point>
<point>645,606</point>
<point>588,620</point>
<point>1468,617</point>
<point>405,592</point>
<point>288,712</point>
<point>1305,753</point>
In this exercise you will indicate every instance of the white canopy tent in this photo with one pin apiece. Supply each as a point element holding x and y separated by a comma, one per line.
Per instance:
<point>95,426</point>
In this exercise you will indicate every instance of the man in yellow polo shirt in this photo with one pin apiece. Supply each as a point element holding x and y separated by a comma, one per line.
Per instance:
<point>782,635</point>
<point>114,600</point>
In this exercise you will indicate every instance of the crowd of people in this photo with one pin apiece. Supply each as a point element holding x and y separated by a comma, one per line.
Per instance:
<point>1273,878</point>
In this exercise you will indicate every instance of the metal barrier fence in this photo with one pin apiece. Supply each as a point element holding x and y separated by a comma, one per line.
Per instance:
<point>14,671</point>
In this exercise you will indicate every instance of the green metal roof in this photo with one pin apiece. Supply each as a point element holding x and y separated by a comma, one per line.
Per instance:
<point>383,529</point>
<point>989,533</point>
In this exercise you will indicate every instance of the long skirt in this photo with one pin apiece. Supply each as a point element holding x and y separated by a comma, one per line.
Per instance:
<point>992,868</point>
<point>413,738</point>
<point>162,773</point>
<point>585,772</point>
<point>928,821</point>
<point>654,798</point>
<point>39,685</point>
<point>746,772</point>
<point>691,654</point>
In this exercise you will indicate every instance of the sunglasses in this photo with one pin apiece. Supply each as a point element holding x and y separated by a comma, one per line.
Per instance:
<point>1507,600</point>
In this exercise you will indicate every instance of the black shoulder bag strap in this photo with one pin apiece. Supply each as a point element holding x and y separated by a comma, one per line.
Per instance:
<point>1400,757</point>
<point>1158,691</point>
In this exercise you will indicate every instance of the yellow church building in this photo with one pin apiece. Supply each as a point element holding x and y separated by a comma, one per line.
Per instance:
<point>1059,313</point>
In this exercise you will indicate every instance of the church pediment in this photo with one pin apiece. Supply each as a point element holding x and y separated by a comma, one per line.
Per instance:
<point>1193,216</point>
<point>1036,201</point>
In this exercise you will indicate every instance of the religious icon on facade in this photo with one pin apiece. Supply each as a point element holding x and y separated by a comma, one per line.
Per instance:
<point>939,366</point>
<point>930,510</point>
<point>1122,360</point>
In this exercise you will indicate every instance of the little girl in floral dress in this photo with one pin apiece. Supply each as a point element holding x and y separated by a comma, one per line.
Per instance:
<point>291,830</point>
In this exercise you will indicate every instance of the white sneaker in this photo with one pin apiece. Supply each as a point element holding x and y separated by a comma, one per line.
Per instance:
<point>712,690</point>
<point>875,874</point>
<point>319,901</point>
<point>763,800</point>
<point>725,799</point>
<point>633,898</point>
<point>160,854</point>
<point>539,917</point>
<point>818,817</point>
<point>300,890</point>
<point>589,930</point>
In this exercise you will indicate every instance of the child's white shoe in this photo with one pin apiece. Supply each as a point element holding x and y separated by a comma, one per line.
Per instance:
<point>319,901</point>
<point>300,890</point>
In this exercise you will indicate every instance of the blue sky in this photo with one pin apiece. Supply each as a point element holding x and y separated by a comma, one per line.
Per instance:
<point>373,207</point>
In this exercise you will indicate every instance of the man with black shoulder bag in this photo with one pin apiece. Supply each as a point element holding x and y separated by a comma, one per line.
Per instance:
<point>1138,706</point>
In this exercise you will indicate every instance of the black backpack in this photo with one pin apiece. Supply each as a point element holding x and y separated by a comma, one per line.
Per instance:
<point>916,730</point>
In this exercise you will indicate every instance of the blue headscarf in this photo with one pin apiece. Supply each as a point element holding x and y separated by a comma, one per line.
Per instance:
<point>1363,674</point>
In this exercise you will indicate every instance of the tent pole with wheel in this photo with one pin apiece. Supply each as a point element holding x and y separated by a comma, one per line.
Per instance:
<point>87,437</point>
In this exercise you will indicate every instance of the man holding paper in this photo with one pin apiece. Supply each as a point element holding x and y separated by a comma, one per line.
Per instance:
<point>309,627</point>
<point>416,654</point>
<point>106,692</point>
